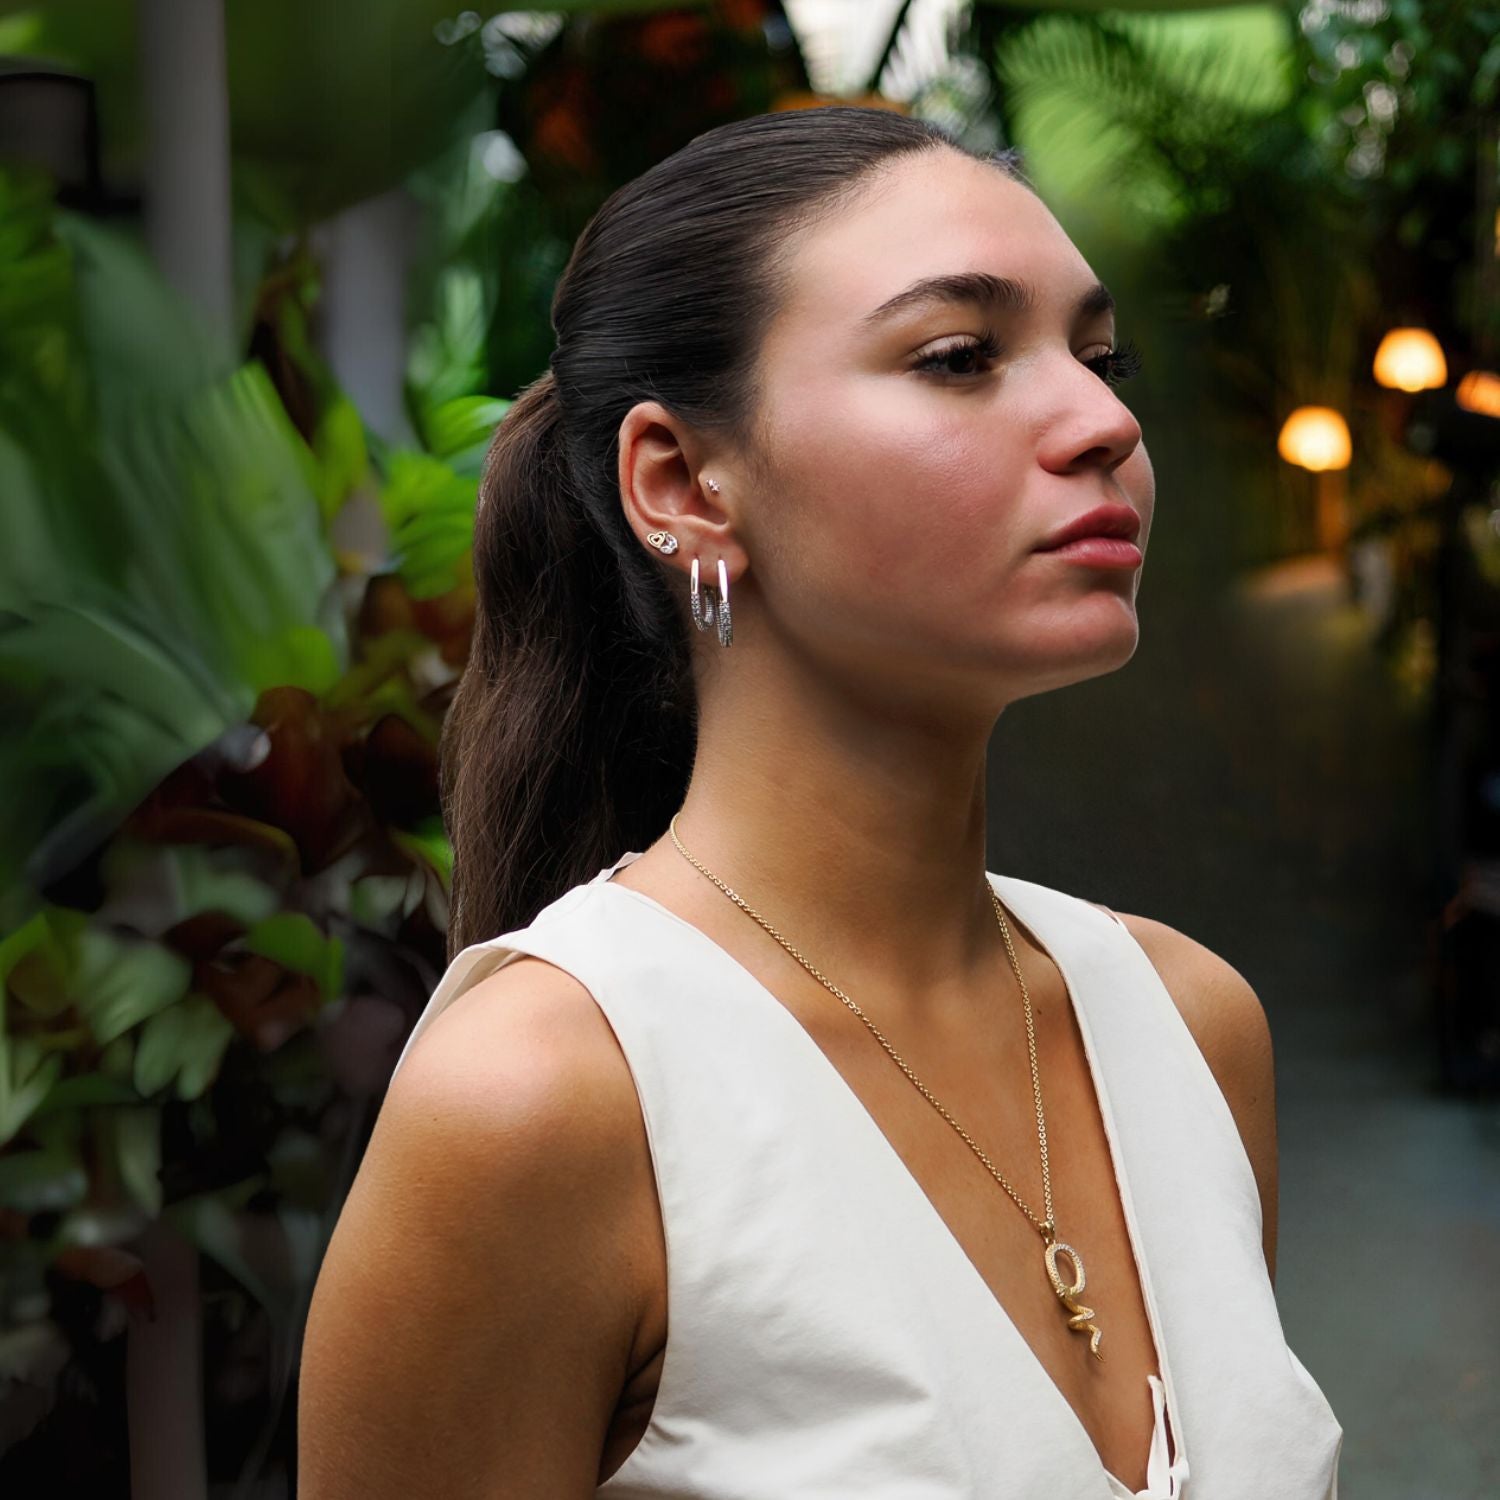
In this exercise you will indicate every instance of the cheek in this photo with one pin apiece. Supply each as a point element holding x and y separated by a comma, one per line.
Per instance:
<point>909,494</point>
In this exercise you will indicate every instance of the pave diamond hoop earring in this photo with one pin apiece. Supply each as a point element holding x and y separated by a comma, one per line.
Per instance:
<point>702,601</point>
<point>726,624</point>
<point>708,610</point>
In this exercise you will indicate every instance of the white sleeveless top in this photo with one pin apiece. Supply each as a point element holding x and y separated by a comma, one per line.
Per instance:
<point>827,1335</point>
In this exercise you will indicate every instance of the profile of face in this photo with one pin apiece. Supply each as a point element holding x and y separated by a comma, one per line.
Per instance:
<point>913,459</point>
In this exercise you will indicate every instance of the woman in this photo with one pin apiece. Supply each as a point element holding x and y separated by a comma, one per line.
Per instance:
<point>785,1151</point>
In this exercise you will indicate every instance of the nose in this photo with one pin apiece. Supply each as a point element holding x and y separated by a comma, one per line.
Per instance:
<point>1089,426</point>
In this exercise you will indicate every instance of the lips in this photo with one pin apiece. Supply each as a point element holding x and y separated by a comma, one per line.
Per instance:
<point>1103,520</point>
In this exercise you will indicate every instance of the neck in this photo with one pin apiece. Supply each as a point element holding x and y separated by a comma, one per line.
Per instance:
<point>859,835</point>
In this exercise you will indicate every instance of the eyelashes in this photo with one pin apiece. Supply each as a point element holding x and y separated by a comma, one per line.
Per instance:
<point>1113,366</point>
<point>988,346</point>
<point>1120,363</point>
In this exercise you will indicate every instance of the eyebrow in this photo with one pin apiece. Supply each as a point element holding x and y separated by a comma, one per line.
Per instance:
<point>984,290</point>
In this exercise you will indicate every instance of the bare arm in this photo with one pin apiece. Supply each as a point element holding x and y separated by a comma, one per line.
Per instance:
<point>476,1314</point>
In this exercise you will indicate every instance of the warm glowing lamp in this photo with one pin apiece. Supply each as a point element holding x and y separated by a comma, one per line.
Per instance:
<point>1317,438</point>
<point>1410,359</point>
<point>1479,391</point>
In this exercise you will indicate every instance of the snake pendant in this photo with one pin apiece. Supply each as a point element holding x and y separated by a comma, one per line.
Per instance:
<point>1068,1292</point>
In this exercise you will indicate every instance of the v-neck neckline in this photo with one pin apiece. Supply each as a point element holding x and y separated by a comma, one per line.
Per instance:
<point>895,1160</point>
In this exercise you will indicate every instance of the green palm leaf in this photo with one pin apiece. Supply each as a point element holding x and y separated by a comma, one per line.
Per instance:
<point>168,560</point>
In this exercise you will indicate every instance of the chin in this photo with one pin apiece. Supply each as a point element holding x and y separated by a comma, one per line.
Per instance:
<point>1095,656</point>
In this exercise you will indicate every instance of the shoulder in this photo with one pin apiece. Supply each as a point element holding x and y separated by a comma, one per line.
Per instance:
<point>521,1083</point>
<point>1228,1021</point>
<point>1217,1002</point>
<point>491,1239</point>
<point>532,1027</point>
<point>495,1238</point>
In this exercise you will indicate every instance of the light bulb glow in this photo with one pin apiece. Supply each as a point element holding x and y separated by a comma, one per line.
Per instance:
<point>1316,438</point>
<point>1479,391</point>
<point>1410,359</point>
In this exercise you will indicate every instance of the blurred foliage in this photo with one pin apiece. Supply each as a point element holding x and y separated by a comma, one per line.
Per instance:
<point>225,870</point>
<point>1241,149</point>
<point>1397,105</point>
<point>330,103</point>
<point>165,561</point>
<point>580,106</point>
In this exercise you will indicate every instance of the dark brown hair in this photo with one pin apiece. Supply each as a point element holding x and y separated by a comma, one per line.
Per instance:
<point>570,738</point>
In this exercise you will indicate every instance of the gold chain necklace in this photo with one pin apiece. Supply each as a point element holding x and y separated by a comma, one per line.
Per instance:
<point>1067,1291</point>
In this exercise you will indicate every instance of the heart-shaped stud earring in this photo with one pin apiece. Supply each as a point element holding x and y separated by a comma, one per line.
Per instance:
<point>663,541</point>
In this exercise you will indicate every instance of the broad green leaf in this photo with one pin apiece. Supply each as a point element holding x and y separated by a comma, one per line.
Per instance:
<point>456,427</point>
<point>300,656</point>
<point>184,1043</point>
<point>192,878</point>
<point>342,454</point>
<point>292,940</point>
<point>27,1074</point>
<point>46,934</point>
<point>118,983</point>
<point>430,512</point>
<point>169,560</point>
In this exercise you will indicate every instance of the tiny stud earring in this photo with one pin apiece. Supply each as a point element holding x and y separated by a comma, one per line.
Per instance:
<point>713,485</point>
<point>663,541</point>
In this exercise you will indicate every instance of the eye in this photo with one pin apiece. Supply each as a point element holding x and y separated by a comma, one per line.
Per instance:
<point>1118,364</point>
<point>939,362</point>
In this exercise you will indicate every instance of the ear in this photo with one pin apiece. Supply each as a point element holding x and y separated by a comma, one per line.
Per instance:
<point>663,487</point>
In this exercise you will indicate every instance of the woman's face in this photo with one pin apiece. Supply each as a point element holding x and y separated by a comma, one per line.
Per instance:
<point>913,474</point>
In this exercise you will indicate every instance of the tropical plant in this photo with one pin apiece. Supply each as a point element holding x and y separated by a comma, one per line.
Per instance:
<point>226,891</point>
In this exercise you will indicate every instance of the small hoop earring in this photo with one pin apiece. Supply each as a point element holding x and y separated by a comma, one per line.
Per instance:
<point>726,624</point>
<point>701,600</point>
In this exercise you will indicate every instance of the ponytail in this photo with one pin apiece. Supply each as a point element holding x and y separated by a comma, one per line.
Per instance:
<point>571,735</point>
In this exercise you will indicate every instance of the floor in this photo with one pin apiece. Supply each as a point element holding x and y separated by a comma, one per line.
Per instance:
<point>1252,778</point>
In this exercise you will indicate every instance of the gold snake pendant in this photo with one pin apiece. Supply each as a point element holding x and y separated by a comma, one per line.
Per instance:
<point>1068,1293</point>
